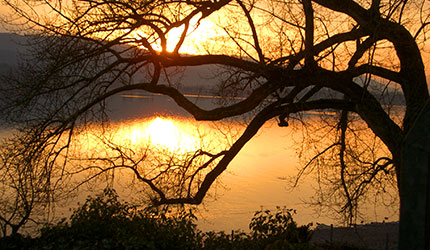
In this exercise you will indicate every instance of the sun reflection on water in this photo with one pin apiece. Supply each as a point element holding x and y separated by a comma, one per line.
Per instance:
<point>166,147</point>
<point>158,134</point>
<point>163,133</point>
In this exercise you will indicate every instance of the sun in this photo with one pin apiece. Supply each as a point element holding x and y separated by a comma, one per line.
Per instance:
<point>200,31</point>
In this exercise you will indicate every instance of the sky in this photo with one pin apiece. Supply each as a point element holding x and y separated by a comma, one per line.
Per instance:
<point>204,34</point>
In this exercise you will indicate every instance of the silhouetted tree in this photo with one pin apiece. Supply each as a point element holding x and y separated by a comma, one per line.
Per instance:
<point>281,58</point>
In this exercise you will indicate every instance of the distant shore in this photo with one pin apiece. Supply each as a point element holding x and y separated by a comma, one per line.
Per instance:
<point>377,236</point>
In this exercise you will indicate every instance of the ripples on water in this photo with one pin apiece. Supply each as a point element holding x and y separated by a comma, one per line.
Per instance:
<point>257,178</point>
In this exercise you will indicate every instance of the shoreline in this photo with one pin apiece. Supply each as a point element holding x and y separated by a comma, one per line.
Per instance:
<point>375,235</point>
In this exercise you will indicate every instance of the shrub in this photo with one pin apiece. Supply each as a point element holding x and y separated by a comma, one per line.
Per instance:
<point>268,231</point>
<point>104,222</point>
<point>279,230</point>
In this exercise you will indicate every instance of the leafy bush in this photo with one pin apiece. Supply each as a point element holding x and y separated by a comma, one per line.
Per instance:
<point>104,222</point>
<point>279,230</point>
<point>16,241</point>
<point>268,231</point>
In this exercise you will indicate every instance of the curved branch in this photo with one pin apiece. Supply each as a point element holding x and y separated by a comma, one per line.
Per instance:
<point>367,106</point>
<point>378,71</point>
<point>266,114</point>
<point>414,84</point>
<point>254,32</point>
<point>348,7</point>
<point>352,35</point>
<point>198,60</point>
<point>244,106</point>
<point>361,49</point>
<point>422,27</point>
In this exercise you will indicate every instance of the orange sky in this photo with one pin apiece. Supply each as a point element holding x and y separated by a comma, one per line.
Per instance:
<point>204,37</point>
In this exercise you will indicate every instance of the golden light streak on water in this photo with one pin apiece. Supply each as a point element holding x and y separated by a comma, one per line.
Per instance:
<point>165,134</point>
<point>258,177</point>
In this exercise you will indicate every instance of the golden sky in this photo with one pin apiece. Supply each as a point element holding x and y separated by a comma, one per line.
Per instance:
<point>214,34</point>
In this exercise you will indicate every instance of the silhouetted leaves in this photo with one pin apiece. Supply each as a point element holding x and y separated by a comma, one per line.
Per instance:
<point>105,222</point>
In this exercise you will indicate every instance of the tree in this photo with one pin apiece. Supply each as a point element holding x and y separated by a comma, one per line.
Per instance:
<point>280,57</point>
<point>22,193</point>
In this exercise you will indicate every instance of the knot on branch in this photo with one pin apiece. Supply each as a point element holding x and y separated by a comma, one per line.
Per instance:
<point>282,121</point>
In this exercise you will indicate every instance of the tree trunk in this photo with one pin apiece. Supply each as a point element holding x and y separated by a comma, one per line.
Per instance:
<point>415,184</point>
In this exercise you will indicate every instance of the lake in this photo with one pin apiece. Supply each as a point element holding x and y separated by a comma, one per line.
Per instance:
<point>259,177</point>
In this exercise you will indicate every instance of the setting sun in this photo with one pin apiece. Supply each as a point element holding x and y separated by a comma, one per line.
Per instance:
<point>200,31</point>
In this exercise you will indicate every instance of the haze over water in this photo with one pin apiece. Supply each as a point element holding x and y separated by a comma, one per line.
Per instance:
<point>260,177</point>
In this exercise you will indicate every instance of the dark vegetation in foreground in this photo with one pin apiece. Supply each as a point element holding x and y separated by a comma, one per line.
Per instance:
<point>104,222</point>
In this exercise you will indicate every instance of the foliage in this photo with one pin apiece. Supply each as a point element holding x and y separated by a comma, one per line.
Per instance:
<point>16,241</point>
<point>279,230</point>
<point>268,231</point>
<point>104,222</point>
